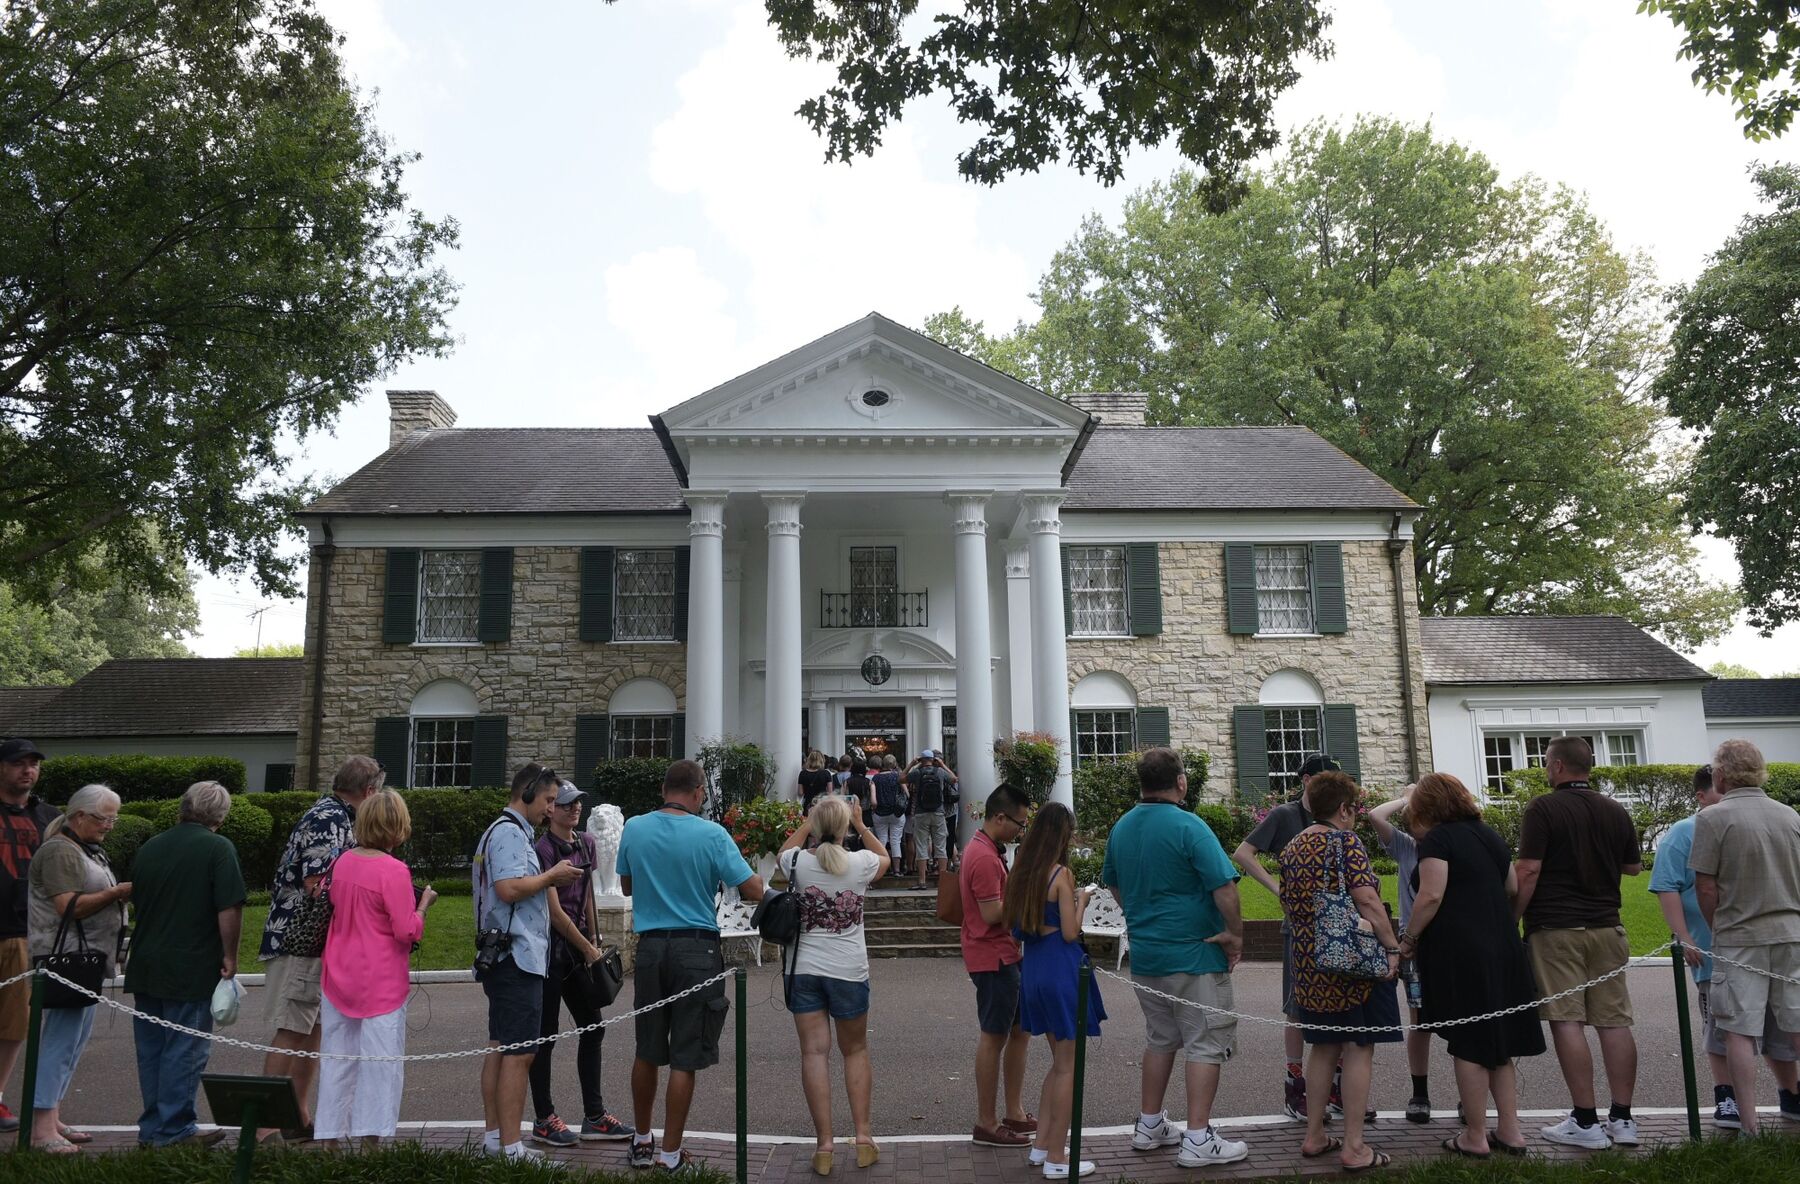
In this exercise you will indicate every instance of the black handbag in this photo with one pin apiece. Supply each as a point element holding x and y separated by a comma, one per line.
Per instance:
<point>84,966</point>
<point>597,982</point>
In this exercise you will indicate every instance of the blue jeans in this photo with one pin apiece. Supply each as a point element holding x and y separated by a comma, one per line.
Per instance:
<point>64,1036</point>
<point>169,1066</point>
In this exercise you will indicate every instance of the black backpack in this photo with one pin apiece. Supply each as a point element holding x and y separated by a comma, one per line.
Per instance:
<point>928,794</point>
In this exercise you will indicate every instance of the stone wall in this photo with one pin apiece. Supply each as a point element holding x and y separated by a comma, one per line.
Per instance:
<point>540,680</point>
<point>1199,670</point>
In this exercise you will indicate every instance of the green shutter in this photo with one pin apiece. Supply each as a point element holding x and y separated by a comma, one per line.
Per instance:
<point>1068,600</point>
<point>1240,587</point>
<point>593,738</point>
<point>495,623</point>
<point>1328,588</point>
<point>1073,755</point>
<point>488,766</point>
<point>596,594</point>
<point>1152,727</point>
<point>1340,737</point>
<point>400,604</point>
<point>1252,752</point>
<point>393,742</point>
<point>1143,589</point>
<point>678,735</point>
<point>681,593</point>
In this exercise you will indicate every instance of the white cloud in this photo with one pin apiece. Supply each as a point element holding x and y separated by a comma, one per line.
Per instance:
<point>674,313</point>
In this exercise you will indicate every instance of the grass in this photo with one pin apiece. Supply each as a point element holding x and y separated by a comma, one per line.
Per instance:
<point>401,1161</point>
<point>448,944</point>
<point>1771,1159</point>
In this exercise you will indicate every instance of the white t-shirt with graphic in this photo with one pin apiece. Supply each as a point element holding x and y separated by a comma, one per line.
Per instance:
<point>831,914</point>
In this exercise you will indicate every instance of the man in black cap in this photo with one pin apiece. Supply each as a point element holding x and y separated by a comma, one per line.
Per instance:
<point>1272,834</point>
<point>23,818</point>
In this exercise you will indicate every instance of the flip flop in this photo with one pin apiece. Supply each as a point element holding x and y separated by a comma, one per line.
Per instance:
<point>73,1135</point>
<point>1377,1159</point>
<point>1506,1148</point>
<point>1454,1145</point>
<point>1331,1145</point>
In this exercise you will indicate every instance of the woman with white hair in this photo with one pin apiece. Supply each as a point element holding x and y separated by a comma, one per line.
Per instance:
<point>73,892</point>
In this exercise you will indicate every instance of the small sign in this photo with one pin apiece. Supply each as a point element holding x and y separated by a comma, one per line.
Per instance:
<point>876,670</point>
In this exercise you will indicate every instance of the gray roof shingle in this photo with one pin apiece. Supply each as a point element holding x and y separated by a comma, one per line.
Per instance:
<point>16,703</point>
<point>174,697</point>
<point>1547,649</point>
<point>1745,698</point>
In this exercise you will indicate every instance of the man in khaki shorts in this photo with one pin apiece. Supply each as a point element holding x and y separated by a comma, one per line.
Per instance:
<point>1746,864</point>
<point>1574,845</point>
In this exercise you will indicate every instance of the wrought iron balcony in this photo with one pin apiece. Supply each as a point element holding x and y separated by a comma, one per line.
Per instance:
<point>872,610</point>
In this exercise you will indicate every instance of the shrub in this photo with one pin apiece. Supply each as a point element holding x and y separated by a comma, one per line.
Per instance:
<point>446,826</point>
<point>1085,864</point>
<point>1104,790</point>
<point>1230,822</point>
<point>128,834</point>
<point>249,827</point>
<point>1028,761</point>
<point>633,784</point>
<point>1658,796</point>
<point>1784,783</point>
<point>761,825</point>
<point>134,777</point>
<point>736,771</point>
<point>149,811</point>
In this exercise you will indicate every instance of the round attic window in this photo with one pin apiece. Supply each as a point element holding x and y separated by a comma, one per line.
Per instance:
<point>876,398</point>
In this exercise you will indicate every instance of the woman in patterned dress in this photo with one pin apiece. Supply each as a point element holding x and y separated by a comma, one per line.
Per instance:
<point>831,966</point>
<point>1310,863</point>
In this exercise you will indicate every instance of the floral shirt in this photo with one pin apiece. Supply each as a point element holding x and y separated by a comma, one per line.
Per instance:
<point>1309,864</point>
<point>321,835</point>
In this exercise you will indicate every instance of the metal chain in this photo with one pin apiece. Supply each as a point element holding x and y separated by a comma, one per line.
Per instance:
<point>1781,978</point>
<point>518,1046</point>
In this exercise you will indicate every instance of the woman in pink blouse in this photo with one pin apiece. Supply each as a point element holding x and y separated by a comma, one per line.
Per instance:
<point>363,979</point>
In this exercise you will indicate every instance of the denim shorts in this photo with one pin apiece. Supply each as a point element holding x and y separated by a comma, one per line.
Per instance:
<point>515,1004</point>
<point>844,999</point>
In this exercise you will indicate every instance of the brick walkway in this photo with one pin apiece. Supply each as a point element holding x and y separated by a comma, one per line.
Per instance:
<point>1274,1152</point>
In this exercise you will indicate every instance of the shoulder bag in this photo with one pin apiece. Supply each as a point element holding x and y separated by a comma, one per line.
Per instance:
<point>1341,942</point>
<point>84,966</point>
<point>597,982</point>
<point>306,929</point>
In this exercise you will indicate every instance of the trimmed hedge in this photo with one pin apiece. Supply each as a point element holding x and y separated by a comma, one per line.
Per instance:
<point>128,834</point>
<point>1105,790</point>
<point>633,784</point>
<point>1658,796</point>
<point>136,778</point>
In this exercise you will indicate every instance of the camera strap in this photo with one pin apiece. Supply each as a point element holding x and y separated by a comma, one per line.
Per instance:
<point>487,839</point>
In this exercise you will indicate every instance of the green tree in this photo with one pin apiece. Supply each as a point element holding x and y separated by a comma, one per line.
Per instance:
<point>275,649</point>
<point>204,250</point>
<point>1481,346</point>
<point>59,639</point>
<point>1045,80</point>
<point>1748,50</point>
<point>1732,670</point>
<point>1733,375</point>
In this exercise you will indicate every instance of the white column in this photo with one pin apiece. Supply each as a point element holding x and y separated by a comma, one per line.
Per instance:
<point>1018,633</point>
<point>974,650</point>
<point>1049,645</point>
<point>735,723</point>
<point>706,620</point>
<point>933,737</point>
<point>816,723</point>
<point>781,689</point>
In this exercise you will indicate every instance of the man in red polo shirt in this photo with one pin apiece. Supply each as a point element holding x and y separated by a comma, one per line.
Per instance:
<point>991,957</point>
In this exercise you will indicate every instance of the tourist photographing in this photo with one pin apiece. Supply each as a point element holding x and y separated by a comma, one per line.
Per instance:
<point>991,956</point>
<point>927,785</point>
<point>23,819</point>
<point>1399,843</point>
<point>889,823</point>
<point>829,983</point>
<point>1180,896</point>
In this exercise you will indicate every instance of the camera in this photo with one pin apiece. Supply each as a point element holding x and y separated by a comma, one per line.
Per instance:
<point>491,946</point>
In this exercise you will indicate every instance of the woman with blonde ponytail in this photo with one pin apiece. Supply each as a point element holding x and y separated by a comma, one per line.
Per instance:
<point>831,966</point>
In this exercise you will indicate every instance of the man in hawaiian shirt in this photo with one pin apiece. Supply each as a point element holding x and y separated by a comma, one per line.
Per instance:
<point>292,982</point>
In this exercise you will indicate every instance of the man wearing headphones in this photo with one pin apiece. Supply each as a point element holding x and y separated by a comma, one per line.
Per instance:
<point>512,912</point>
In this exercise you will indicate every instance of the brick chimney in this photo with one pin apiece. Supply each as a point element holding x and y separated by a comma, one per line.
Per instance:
<point>1117,409</point>
<point>416,411</point>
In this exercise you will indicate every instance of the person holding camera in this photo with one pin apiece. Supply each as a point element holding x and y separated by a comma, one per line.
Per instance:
<point>512,949</point>
<point>928,784</point>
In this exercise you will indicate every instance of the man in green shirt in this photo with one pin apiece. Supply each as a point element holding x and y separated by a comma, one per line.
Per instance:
<point>189,893</point>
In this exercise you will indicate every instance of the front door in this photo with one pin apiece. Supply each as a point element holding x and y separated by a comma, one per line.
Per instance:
<point>877,731</point>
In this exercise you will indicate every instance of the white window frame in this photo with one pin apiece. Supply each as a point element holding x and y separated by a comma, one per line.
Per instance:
<point>436,722</point>
<point>850,550</point>
<point>1081,746</point>
<point>1496,762</point>
<point>1266,591</point>
<point>621,598</point>
<point>1309,721</point>
<point>1608,742</point>
<point>662,746</point>
<point>435,572</point>
<point>1078,561</point>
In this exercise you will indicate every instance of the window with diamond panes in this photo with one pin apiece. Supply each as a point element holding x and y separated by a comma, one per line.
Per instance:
<point>1497,757</point>
<point>1292,735</point>
<point>948,727</point>
<point>643,736</point>
<point>1284,601</point>
<point>874,586</point>
<point>644,596</point>
<point>1097,591</point>
<point>449,596</point>
<point>443,752</point>
<point>1102,735</point>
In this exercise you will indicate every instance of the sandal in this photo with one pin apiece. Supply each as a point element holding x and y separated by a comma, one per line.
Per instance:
<point>1377,1159</point>
<point>56,1146</point>
<point>1514,1149</point>
<point>1331,1144</point>
<point>1454,1145</point>
<point>73,1135</point>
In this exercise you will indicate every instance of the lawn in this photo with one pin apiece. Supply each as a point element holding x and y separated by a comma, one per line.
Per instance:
<point>402,1161</point>
<point>449,942</point>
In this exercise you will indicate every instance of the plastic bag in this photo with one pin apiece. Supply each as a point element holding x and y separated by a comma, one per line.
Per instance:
<point>225,1000</point>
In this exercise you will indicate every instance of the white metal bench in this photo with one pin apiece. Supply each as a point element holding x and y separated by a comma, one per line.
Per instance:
<point>734,921</point>
<point>1104,918</point>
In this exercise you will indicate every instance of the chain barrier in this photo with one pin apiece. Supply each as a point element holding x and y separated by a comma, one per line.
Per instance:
<point>1780,978</point>
<point>234,1042</point>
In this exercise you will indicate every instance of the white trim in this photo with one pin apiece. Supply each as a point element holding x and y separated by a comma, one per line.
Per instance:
<point>1554,700</point>
<point>1284,636</point>
<point>1230,526</point>
<point>464,532</point>
<point>1752,721</point>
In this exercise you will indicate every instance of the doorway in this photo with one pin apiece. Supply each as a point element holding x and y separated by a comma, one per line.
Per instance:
<point>878,731</point>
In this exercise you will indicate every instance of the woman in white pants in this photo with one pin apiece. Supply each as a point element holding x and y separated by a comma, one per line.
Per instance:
<point>363,984</point>
<point>890,807</point>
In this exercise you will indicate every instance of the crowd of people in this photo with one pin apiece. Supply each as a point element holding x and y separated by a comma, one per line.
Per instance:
<point>344,916</point>
<point>914,813</point>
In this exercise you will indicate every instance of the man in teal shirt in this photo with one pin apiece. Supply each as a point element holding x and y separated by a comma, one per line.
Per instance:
<point>1179,892</point>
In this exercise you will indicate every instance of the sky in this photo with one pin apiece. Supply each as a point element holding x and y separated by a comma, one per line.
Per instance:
<point>643,216</point>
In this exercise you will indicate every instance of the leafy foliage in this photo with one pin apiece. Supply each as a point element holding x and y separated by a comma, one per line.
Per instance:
<point>736,771</point>
<point>122,842</point>
<point>1085,80</point>
<point>1733,375</point>
<point>1105,790</point>
<point>761,825</point>
<point>446,826</point>
<point>1483,347</point>
<point>1748,50</point>
<point>204,249</point>
<point>278,649</point>
<point>1732,670</point>
<point>135,777</point>
<point>1028,760</point>
<point>95,616</point>
<point>633,784</point>
<point>1658,796</point>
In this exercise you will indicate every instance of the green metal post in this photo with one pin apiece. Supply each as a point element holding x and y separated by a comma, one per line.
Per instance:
<point>246,1149</point>
<point>743,1077</point>
<point>1082,986</point>
<point>1679,962</point>
<point>28,1087</point>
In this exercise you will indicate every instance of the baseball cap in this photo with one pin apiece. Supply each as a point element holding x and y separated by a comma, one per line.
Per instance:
<point>18,748</point>
<point>1319,763</point>
<point>929,754</point>
<point>567,793</point>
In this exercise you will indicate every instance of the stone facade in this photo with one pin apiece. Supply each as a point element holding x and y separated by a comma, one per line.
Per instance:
<point>540,680</point>
<point>1200,671</point>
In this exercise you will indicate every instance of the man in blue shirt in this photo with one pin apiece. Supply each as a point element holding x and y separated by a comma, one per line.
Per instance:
<point>1673,882</point>
<point>512,894</point>
<point>1179,892</point>
<point>672,863</point>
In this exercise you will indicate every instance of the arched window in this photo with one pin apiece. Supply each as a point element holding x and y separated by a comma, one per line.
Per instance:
<point>1104,707</point>
<point>1293,724</point>
<point>443,734</point>
<point>643,721</point>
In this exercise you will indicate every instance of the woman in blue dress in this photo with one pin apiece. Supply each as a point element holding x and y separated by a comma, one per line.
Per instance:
<point>1044,909</point>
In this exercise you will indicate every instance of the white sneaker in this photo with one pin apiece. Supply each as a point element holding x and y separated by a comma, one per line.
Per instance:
<point>1208,1149</point>
<point>1571,1134</point>
<point>1622,1131</point>
<point>1060,1171</point>
<point>1037,1157</point>
<point>1149,1138</point>
<point>518,1152</point>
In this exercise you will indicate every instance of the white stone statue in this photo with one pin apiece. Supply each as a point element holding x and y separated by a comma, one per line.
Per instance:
<point>606,823</point>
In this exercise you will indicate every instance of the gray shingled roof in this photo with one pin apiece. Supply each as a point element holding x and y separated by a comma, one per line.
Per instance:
<point>174,697</point>
<point>1547,649</point>
<point>18,702</point>
<point>1288,468</point>
<point>513,471</point>
<point>1746,698</point>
